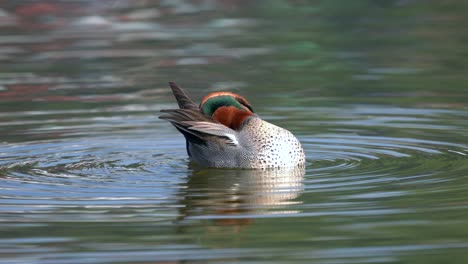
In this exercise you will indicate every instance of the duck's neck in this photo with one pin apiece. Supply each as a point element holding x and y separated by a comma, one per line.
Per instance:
<point>231,116</point>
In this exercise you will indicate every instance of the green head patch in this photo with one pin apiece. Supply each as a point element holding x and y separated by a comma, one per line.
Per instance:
<point>210,105</point>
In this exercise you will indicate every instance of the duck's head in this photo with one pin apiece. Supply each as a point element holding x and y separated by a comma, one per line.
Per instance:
<point>227,108</point>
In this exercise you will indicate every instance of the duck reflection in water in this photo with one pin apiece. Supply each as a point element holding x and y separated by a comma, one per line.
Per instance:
<point>235,198</point>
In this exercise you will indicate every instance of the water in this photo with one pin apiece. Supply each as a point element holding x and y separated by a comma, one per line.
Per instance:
<point>375,91</point>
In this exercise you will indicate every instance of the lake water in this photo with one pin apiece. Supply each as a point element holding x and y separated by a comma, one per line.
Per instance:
<point>376,91</point>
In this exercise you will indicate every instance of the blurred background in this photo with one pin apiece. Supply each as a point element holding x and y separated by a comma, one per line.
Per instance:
<point>375,90</point>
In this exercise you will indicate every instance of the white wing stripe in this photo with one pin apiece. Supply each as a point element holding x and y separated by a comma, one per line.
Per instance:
<point>232,139</point>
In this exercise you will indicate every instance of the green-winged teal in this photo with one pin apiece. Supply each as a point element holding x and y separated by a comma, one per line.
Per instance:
<point>224,132</point>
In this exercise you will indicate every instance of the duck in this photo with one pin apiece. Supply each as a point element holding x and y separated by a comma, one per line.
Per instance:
<point>223,131</point>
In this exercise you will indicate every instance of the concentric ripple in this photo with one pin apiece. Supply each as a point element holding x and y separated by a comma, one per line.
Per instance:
<point>146,175</point>
<point>129,171</point>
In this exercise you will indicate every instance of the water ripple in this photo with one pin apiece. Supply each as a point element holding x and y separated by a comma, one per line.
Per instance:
<point>69,178</point>
<point>88,174</point>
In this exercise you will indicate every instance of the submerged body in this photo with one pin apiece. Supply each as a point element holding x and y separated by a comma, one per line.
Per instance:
<point>224,132</point>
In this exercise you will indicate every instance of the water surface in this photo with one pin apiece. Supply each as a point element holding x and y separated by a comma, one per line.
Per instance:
<point>375,91</point>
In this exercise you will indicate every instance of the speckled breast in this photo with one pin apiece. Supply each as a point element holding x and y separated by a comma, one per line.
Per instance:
<point>274,146</point>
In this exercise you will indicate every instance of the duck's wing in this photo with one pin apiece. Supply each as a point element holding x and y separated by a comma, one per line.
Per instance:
<point>199,128</point>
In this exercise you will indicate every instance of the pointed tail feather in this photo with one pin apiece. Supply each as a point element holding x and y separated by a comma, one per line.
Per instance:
<point>182,98</point>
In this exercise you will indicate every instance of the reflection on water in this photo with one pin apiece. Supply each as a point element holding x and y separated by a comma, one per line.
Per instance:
<point>227,195</point>
<point>374,90</point>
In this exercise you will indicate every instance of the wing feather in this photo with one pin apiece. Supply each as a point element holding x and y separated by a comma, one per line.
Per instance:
<point>199,128</point>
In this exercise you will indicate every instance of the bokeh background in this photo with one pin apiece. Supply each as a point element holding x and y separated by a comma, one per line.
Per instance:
<point>375,90</point>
